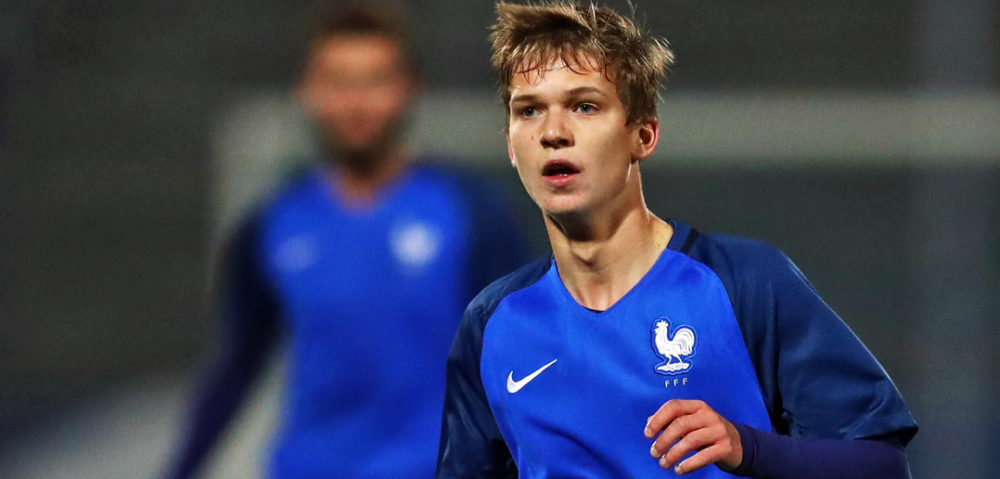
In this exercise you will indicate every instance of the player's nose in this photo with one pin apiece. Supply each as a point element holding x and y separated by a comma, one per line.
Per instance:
<point>555,132</point>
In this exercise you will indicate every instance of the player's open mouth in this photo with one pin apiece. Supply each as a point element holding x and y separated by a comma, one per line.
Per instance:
<point>556,169</point>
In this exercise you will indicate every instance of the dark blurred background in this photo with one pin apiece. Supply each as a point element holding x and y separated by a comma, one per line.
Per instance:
<point>861,137</point>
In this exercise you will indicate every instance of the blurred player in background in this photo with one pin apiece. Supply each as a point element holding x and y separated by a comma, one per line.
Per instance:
<point>364,265</point>
<point>642,345</point>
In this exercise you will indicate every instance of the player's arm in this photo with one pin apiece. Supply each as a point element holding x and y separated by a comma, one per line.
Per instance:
<point>471,444</point>
<point>250,328</point>
<point>768,455</point>
<point>683,427</point>
<point>819,380</point>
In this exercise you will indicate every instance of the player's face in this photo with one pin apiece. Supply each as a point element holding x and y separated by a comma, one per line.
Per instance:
<point>569,141</point>
<point>358,89</point>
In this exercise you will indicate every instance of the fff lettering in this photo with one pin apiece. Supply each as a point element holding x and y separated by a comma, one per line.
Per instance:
<point>675,382</point>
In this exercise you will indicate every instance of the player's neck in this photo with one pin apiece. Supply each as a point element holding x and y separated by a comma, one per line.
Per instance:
<point>359,188</point>
<point>600,267</point>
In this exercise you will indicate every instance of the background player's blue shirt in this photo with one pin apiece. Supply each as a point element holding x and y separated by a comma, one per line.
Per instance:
<point>370,300</point>
<point>722,319</point>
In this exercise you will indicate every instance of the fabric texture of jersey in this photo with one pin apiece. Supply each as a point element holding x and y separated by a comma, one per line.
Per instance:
<point>539,386</point>
<point>369,300</point>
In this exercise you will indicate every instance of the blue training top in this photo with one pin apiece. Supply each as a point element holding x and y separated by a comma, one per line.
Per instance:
<point>539,386</point>
<point>370,301</point>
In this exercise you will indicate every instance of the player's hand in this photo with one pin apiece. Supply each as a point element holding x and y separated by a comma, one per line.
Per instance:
<point>691,425</point>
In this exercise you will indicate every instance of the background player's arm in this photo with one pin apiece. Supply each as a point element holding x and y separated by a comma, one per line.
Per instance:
<point>498,244</point>
<point>250,321</point>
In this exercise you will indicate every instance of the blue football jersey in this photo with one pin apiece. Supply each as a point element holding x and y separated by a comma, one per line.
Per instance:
<point>539,386</point>
<point>370,303</point>
<point>369,300</point>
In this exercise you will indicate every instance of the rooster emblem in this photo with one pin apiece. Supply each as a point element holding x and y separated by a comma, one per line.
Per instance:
<point>672,349</point>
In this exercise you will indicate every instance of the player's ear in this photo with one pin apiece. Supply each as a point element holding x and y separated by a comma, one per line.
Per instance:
<point>647,135</point>
<point>510,153</point>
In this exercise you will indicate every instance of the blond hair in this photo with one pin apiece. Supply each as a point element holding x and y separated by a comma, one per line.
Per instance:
<point>526,38</point>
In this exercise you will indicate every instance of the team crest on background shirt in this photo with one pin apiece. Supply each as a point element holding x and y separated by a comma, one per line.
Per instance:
<point>414,243</point>
<point>297,253</point>
<point>672,348</point>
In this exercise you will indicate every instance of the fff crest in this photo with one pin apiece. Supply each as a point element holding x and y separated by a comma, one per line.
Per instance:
<point>672,348</point>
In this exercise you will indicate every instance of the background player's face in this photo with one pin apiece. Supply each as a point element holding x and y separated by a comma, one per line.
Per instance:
<point>357,87</point>
<point>569,141</point>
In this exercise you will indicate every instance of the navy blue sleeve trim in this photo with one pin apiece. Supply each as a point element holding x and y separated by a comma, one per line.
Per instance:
<point>471,443</point>
<point>249,314</point>
<point>773,456</point>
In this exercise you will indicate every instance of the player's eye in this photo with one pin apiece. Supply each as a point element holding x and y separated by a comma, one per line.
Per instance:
<point>586,108</point>
<point>527,112</point>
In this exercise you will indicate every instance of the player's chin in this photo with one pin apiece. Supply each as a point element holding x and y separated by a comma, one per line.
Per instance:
<point>358,144</point>
<point>566,207</point>
<point>359,141</point>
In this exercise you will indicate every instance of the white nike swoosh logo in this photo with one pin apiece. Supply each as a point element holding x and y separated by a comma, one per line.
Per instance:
<point>515,386</point>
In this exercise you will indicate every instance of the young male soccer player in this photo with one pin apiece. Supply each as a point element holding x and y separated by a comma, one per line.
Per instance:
<point>366,263</point>
<point>643,345</point>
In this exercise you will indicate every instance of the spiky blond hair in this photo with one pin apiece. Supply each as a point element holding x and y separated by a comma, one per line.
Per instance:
<point>586,37</point>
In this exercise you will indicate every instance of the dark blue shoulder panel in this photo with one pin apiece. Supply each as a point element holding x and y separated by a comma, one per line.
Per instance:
<point>818,378</point>
<point>471,443</point>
